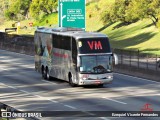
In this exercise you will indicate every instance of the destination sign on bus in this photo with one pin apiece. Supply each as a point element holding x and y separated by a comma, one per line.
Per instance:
<point>94,45</point>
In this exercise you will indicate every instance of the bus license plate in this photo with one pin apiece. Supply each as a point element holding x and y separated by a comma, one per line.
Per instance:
<point>98,82</point>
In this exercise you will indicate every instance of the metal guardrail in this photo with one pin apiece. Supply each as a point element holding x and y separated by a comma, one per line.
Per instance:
<point>138,59</point>
<point>138,64</point>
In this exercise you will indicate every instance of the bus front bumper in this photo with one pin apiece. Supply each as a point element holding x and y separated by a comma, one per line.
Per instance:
<point>96,82</point>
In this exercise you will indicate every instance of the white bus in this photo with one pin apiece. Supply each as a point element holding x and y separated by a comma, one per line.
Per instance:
<point>73,55</point>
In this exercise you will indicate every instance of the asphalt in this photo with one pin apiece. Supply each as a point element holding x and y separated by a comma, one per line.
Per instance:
<point>23,88</point>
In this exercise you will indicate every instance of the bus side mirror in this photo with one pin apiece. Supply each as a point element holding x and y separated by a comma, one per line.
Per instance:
<point>78,61</point>
<point>115,57</point>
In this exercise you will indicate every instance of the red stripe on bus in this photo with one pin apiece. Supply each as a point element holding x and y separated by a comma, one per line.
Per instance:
<point>60,55</point>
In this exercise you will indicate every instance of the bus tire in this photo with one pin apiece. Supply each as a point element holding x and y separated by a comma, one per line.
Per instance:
<point>47,74</point>
<point>44,75</point>
<point>71,81</point>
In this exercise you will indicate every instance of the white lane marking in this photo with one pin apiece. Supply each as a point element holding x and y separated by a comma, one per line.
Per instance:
<point>89,113</point>
<point>8,86</point>
<point>31,93</point>
<point>12,87</point>
<point>3,84</point>
<point>53,101</point>
<point>137,78</point>
<point>25,91</point>
<point>17,53</point>
<point>70,106</point>
<point>103,118</point>
<point>114,100</point>
<point>38,96</point>
<point>4,69</point>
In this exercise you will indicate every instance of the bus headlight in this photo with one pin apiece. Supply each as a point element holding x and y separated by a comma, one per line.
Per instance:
<point>84,77</point>
<point>109,77</point>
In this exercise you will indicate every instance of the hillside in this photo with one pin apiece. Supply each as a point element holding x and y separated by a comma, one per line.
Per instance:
<point>142,35</point>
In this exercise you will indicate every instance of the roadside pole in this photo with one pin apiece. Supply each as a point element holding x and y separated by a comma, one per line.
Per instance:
<point>18,27</point>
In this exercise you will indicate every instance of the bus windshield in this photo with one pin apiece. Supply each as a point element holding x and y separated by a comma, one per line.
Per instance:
<point>96,64</point>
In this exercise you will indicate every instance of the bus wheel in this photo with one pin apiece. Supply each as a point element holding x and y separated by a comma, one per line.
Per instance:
<point>47,74</point>
<point>71,81</point>
<point>44,74</point>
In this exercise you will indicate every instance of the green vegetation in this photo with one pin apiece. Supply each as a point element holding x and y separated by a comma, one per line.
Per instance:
<point>20,10</point>
<point>48,20</point>
<point>39,8</point>
<point>129,11</point>
<point>25,28</point>
<point>16,9</point>
<point>130,24</point>
<point>92,17</point>
<point>142,35</point>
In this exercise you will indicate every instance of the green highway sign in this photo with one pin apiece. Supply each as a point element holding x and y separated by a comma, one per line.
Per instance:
<point>72,13</point>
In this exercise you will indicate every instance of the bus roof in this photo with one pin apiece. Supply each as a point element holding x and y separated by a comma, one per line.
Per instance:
<point>72,32</point>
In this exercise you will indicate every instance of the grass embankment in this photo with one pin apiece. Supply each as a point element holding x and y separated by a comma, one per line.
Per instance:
<point>25,28</point>
<point>141,35</point>
<point>51,19</point>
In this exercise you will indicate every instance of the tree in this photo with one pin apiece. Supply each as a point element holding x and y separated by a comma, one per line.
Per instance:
<point>106,11</point>
<point>43,7</point>
<point>119,10</point>
<point>144,9</point>
<point>34,8</point>
<point>132,12</point>
<point>17,9</point>
<point>4,5</point>
<point>129,11</point>
<point>154,11</point>
<point>24,7</point>
<point>116,11</point>
<point>11,10</point>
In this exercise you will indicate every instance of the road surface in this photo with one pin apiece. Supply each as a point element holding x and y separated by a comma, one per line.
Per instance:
<point>23,88</point>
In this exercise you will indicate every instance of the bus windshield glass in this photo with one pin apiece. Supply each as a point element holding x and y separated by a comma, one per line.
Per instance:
<point>94,45</point>
<point>96,64</point>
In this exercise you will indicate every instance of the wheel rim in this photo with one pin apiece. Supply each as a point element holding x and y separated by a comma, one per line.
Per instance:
<point>70,81</point>
<point>47,74</point>
<point>43,73</point>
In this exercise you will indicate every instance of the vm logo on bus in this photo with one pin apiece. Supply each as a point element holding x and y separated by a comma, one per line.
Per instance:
<point>95,45</point>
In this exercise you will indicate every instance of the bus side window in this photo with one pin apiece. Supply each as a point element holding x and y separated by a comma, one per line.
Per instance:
<point>74,52</point>
<point>56,41</point>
